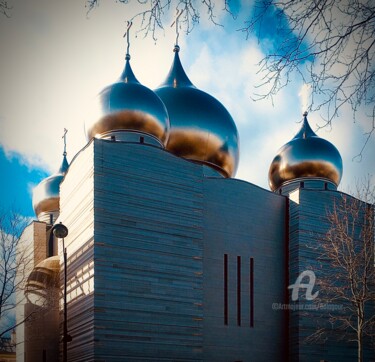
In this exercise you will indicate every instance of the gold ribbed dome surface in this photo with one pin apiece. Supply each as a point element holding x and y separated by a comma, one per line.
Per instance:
<point>45,275</point>
<point>128,105</point>
<point>202,129</point>
<point>305,156</point>
<point>46,195</point>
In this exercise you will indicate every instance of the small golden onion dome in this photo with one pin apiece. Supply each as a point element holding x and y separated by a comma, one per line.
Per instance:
<point>202,129</point>
<point>305,156</point>
<point>46,195</point>
<point>45,275</point>
<point>128,106</point>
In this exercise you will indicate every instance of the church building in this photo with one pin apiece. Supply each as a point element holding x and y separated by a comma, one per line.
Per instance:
<point>169,257</point>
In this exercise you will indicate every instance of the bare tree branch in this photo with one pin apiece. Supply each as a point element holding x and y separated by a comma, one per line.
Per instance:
<point>13,264</point>
<point>154,13</point>
<point>346,256</point>
<point>330,44</point>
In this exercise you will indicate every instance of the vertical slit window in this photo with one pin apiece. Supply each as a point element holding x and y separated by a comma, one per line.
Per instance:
<point>226,289</point>
<point>251,292</point>
<point>50,244</point>
<point>238,290</point>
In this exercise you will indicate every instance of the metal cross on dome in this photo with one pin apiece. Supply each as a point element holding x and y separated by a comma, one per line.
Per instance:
<point>128,40</point>
<point>175,22</point>
<point>64,137</point>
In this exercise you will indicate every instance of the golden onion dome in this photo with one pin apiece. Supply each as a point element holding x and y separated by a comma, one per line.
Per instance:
<point>45,275</point>
<point>202,130</point>
<point>305,156</point>
<point>128,106</point>
<point>46,195</point>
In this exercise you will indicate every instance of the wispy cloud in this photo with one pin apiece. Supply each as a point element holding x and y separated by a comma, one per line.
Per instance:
<point>52,71</point>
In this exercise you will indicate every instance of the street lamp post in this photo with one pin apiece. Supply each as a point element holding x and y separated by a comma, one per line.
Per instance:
<point>61,231</point>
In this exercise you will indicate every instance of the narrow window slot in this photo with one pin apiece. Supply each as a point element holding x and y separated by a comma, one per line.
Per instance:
<point>251,292</point>
<point>226,289</point>
<point>238,290</point>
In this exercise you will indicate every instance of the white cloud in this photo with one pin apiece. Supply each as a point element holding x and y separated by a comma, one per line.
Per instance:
<point>54,61</point>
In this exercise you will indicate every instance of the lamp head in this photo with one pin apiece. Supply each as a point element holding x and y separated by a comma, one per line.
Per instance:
<point>60,230</point>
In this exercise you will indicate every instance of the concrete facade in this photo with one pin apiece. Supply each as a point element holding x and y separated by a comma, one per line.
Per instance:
<point>32,250</point>
<point>309,204</point>
<point>153,230</point>
<point>169,261</point>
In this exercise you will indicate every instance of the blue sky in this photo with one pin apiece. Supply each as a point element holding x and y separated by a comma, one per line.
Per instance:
<point>18,181</point>
<point>54,59</point>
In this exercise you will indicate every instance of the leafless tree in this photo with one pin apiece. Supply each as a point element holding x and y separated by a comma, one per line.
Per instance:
<point>329,43</point>
<point>13,265</point>
<point>153,13</point>
<point>348,280</point>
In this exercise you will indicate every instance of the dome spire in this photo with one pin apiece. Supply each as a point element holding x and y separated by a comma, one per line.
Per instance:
<point>127,75</point>
<point>65,165</point>
<point>177,77</point>
<point>64,137</point>
<point>175,22</point>
<point>127,34</point>
<point>305,130</point>
<point>46,195</point>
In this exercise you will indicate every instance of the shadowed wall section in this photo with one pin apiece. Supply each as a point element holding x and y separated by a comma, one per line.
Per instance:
<point>244,232</point>
<point>146,255</point>
<point>148,234</point>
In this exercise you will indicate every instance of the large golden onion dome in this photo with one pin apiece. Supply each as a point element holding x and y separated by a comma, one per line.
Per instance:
<point>46,195</point>
<point>42,285</point>
<point>128,106</point>
<point>202,129</point>
<point>305,156</point>
<point>45,275</point>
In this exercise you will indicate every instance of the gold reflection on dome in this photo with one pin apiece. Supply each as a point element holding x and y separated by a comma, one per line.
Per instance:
<point>319,169</point>
<point>306,155</point>
<point>47,205</point>
<point>127,106</point>
<point>201,128</point>
<point>201,146</point>
<point>129,120</point>
<point>46,195</point>
<point>45,275</point>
